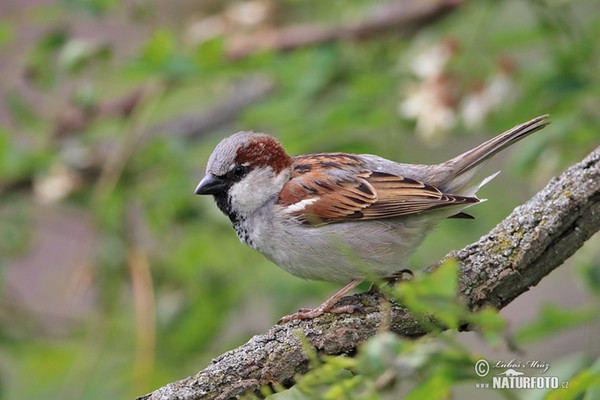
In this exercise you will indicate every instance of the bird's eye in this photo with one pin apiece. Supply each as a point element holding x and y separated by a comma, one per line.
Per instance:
<point>239,171</point>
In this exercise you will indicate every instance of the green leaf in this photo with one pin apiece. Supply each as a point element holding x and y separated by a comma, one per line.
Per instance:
<point>77,54</point>
<point>160,46</point>
<point>554,319</point>
<point>86,96</point>
<point>15,229</point>
<point>436,386</point>
<point>378,353</point>
<point>489,323</point>
<point>41,59</point>
<point>20,108</point>
<point>161,55</point>
<point>434,294</point>
<point>92,7</point>
<point>6,33</point>
<point>590,273</point>
<point>586,381</point>
<point>593,388</point>
<point>210,54</point>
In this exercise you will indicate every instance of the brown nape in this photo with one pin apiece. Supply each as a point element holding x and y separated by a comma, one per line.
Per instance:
<point>264,151</point>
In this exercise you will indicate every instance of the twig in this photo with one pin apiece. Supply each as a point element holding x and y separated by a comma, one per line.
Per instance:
<point>75,118</point>
<point>133,129</point>
<point>536,238</point>
<point>143,296</point>
<point>391,16</point>
<point>194,124</point>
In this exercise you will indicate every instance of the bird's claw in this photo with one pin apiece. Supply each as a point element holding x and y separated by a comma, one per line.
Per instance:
<point>308,313</point>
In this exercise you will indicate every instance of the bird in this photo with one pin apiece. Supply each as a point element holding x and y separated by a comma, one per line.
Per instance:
<point>341,217</point>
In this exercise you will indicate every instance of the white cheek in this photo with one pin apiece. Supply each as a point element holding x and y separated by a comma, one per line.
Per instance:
<point>256,189</point>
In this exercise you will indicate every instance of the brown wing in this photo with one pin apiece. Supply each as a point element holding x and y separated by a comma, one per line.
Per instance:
<point>327,188</point>
<point>335,187</point>
<point>397,195</point>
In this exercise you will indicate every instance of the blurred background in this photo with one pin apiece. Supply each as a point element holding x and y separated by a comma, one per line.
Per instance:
<point>115,279</point>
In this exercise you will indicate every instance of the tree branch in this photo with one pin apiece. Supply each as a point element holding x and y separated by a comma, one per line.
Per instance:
<point>533,240</point>
<point>197,123</point>
<point>404,16</point>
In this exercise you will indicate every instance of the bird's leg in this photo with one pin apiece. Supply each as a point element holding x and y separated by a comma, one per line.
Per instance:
<point>327,305</point>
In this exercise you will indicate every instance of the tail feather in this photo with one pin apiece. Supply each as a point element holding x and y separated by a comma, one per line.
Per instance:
<point>484,151</point>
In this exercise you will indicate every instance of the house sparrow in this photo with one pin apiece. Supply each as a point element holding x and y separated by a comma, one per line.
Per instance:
<point>340,217</point>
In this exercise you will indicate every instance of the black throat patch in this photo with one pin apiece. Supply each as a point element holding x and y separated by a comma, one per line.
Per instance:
<point>224,203</point>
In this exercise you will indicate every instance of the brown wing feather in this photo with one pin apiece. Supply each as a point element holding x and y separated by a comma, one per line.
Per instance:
<point>322,192</point>
<point>330,194</point>
<point>397,195</point>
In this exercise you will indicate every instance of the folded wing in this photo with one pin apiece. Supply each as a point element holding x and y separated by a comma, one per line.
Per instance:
<point>335,187</point>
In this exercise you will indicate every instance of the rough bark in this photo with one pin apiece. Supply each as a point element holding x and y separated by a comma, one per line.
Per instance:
<point>533,240</point>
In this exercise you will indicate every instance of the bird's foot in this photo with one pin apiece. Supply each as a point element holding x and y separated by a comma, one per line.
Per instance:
<point>308,313</point>
<point>327,306</point>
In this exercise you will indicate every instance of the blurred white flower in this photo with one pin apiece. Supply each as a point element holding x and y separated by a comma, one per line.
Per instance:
<point>430,100</point>
<point>429,103</point>
<point>249,13</point>
<point>435,102</point>
<point>236,19</point>
<point>431,62</point>
<point>205,29</point>
<point>475,107</point>
<point>56,185</point>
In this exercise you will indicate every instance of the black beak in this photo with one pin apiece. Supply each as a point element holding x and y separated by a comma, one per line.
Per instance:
<point>211,184</point>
